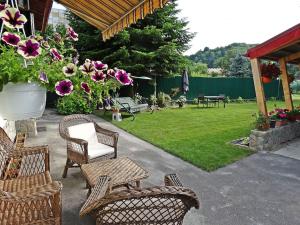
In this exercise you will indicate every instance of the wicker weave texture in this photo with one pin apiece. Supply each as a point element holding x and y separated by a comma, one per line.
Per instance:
<point>27,193</point>
<point>121,171</point>
<point>161,205</point>
<point>77,149</point>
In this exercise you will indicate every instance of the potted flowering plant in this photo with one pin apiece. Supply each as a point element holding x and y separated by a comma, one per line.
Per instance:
<point>181,101</point>
<point>37,64</point>
<point>262,122</point>
<point>280,116</point>
<point>269,72</point>
<point>293,115</point>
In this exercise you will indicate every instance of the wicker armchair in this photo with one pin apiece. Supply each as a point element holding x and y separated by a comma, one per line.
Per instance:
<point>89,143</point>
<point>27,193</point>
<point>157,205</point>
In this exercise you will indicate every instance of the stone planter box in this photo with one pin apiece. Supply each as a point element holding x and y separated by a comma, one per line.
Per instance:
<point>271,139</point>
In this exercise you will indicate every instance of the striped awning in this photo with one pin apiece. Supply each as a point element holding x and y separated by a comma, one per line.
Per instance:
<point>112,16</point>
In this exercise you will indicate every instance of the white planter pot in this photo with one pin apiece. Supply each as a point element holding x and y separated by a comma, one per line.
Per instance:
<point>22,101</point>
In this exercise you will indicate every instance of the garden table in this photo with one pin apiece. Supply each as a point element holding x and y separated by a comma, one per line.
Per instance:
<point>213,99</point>
<point>122,171</point>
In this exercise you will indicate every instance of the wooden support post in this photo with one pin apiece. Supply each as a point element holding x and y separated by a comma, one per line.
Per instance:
<point>285,84</point>
<point>259,88</point>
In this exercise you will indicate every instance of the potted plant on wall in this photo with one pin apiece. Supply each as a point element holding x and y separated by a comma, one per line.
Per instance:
<point>280,116</point>
<point>262,122</point>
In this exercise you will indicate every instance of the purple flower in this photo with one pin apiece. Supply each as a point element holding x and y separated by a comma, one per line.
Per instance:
<point>4,6</point>
<point>70,70</point>
<point>12,18</point>
<point>99,76</point>
<point>11,39</point>
<point>111,73</point>
<point>99,65</point>
<point>85,87</point>
<point>87,68</point>
<point>123,77</point>
<point>72,34</point>
<point>43,77</point>
<point>29,49</point>
<point>64,87</point>
<point>55,54</point>
<point>282,115</point>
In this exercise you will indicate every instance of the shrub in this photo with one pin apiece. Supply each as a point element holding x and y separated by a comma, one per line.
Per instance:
<point>174,92</point>
<point>227,99</point>
<point>240,100</point>
<point>74,104</point>
<point>163,99</point>
<point>152,100</point>
<point>181,101</point>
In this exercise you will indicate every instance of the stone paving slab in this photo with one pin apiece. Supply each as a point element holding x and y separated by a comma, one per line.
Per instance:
<point>290,149</point>
<point>263,189</point>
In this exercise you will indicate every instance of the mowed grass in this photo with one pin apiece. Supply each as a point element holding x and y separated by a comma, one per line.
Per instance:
<point>198,135</point>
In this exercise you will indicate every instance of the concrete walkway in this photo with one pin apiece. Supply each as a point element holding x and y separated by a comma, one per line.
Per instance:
<point>263,189</point>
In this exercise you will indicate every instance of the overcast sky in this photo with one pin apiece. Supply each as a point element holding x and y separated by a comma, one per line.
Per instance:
<point>222,22</point>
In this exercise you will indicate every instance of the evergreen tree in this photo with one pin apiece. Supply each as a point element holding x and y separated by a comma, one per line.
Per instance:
<point>239,67</point>
<point>152,46</point>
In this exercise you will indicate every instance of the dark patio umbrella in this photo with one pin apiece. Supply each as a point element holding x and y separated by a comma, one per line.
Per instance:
<point>185,82</point>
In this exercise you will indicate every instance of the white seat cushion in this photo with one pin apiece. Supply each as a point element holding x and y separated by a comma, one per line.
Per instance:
<point>87,132</point>
<point>97,150</point>
<point>84,131</point>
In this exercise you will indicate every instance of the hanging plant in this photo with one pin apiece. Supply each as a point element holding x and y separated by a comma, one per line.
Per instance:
<point>269,72</point>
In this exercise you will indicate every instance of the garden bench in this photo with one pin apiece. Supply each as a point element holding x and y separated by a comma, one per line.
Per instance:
<point>127,104</point>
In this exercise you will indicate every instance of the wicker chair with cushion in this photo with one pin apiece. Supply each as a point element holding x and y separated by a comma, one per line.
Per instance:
<point>156,205</point>
<point>27,193</point>
<point>86,141</point>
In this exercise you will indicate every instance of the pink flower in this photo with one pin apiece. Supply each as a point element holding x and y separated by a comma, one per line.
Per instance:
<point>72,34</point>
<point>55,54</point>
<point>99,65</point>
<point>29,49</point>
<point>86,88</point>
<point>123,77</point>
<point>87,68</point>
<point>11,39</point>
<point>12,18</point>
<point>282,116</point>
<point>64,87</point>
<point>99,76</point>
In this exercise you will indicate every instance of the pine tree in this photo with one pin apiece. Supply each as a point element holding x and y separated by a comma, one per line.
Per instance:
<point>239,67</point>
<point>152,46</point>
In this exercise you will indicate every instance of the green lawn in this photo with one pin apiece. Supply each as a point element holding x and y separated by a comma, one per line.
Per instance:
<point>197,135</point>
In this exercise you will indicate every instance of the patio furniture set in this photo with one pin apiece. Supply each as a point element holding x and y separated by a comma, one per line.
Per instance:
<point>28,195</point>
<point>212,100</point>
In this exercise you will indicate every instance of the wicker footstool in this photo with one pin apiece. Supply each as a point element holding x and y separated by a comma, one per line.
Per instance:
<point>122,171</point>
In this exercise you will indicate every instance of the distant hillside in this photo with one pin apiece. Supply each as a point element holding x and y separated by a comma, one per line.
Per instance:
<point>220,57</point>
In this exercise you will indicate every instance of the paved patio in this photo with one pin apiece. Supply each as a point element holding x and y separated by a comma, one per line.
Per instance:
<point>263,189</point>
